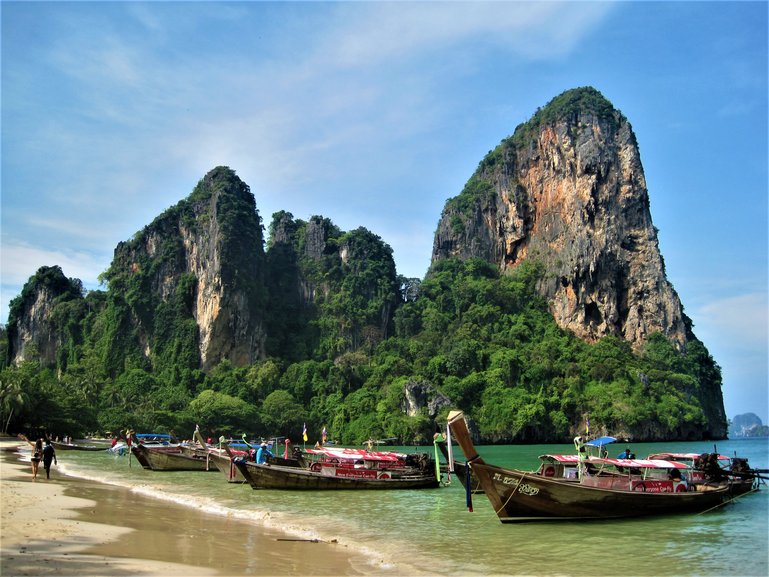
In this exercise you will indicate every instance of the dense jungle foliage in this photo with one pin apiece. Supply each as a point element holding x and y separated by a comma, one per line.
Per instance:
<point>485,341</point>
<point>346,340</point>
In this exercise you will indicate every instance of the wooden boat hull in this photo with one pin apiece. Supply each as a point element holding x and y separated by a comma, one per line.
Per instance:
<point>228,468</point>
<point>298,478</point>
<point>74,447</point>
<point>460,470</point>
<point>171,459</point>
<point>526,496</point>
<point>140,451</point>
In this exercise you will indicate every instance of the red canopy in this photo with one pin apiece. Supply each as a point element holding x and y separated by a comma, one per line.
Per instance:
<point>356,454</point>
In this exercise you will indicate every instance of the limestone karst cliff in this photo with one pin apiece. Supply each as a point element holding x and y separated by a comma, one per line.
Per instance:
<point>42,318</point>
<point>321,321</point>
<point>203,259</point>
<point>568,189</point>
<point>318,271</point>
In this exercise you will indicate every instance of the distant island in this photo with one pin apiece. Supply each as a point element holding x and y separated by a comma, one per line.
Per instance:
<point>748,425</point>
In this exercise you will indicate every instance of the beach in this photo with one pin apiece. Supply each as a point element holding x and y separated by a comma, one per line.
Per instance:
<point>72,526</point>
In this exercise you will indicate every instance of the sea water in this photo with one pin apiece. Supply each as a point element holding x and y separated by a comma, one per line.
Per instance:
<point>431,531</point>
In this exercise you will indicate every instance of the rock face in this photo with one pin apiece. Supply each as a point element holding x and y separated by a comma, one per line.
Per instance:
<point>340,285</point>
<point>568,189</point>
<point>42,316</point>
<point>213,240</point>
<point>418,395</point>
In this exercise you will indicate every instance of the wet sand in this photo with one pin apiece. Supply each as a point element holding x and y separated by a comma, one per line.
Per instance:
<point>72,526</point>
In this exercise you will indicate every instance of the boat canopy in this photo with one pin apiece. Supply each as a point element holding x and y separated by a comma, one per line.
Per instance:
<point>641,463</point>
<point>559,458</point>
<point>355,454</point>
<point>686,456</point>
<point>600,441</point>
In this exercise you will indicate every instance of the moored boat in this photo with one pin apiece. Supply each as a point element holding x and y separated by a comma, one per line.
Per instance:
<point>139,445</point>
<point>711,469</point>
<point>610,493</point>
<point>333,468</point>
<point>558,466</point>
<point>171,459</point>
<point>59,446</point>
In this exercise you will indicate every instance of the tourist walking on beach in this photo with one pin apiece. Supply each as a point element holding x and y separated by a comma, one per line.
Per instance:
<point>49,454</point>
<point>37,455</point>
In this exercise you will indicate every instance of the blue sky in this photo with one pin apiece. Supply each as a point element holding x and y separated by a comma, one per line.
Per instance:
<point>374,114</point>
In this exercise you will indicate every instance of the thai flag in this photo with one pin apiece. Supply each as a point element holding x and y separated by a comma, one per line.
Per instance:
<point>304,432</point>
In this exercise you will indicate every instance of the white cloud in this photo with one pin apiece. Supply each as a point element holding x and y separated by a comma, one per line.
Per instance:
<point>21,261</point>
<point>739,322</point>
<point>532,29</point>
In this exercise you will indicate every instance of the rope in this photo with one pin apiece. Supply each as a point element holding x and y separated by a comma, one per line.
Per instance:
<point>468,488</point>
<point>727,501</point>
<point>510,496</point>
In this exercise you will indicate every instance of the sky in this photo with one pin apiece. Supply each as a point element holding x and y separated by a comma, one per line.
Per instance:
<point>373,114</point>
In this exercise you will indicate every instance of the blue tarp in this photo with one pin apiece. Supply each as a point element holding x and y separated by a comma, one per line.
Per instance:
<point>601,441</point>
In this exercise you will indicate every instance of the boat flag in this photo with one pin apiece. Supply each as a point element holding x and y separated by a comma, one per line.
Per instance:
<point>587,426</point>
<point>304,432</point>
<point>323,435</point>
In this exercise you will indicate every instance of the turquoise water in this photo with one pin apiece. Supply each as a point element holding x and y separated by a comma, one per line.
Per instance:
<point>431,531</point>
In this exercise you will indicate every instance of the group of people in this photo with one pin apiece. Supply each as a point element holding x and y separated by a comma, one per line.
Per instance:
<point>46,454</point>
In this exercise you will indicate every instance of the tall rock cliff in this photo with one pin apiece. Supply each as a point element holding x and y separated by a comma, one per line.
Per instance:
<point>42,316</point>
<point>338,288</point>
<point>201,260</point>
<point>568,190</point>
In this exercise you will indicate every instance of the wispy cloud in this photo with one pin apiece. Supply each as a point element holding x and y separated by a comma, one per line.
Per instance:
<point>741,320</point>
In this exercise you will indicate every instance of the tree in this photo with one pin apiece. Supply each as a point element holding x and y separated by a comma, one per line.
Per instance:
<point>12,398</point>
<point>282,414</point>
<point>222,414</point>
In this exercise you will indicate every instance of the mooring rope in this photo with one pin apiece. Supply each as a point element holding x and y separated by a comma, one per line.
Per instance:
<point>727,501</point>
<point>468,487</point>
<point>510,496</point>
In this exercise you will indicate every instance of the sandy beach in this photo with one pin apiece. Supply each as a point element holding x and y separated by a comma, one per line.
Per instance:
<point>72,526</point>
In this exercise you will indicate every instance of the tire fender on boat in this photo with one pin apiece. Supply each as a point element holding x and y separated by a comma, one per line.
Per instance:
<point>315,467</point>
<point>549,471</point>
<point>680,488</point>
<point>384,476</point>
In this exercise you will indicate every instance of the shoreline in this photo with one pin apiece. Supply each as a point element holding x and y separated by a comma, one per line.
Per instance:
<point>73,526</point>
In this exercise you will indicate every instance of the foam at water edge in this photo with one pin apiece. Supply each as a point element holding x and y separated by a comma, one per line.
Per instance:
<point>273,520</point>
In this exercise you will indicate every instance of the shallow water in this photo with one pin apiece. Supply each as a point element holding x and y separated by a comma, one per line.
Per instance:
<point>431,531</point>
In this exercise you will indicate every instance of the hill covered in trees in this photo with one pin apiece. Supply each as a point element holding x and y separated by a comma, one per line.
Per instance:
<point>203,323</point>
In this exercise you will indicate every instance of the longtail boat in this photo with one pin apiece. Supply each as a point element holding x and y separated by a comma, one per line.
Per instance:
<point>558,466</point>
<point>335,468</point>
<point>222,456</point>
<point>139,445</point>
<point>172,459</point>
<point>59,446</point>
<point>519,495</point>
<point>713,469</point>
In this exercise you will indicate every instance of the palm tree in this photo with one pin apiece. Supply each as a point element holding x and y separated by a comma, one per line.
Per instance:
<point>12,397</point>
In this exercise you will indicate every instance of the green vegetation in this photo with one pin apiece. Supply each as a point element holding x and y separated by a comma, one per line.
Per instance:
<point>345,338</point>
<point>568,106</point>
<point>485,341</point>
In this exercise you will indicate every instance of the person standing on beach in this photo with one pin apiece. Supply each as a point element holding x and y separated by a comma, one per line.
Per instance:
<point>37,455</point>
<point>49,454</point>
